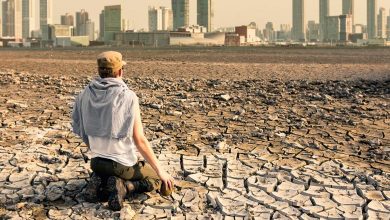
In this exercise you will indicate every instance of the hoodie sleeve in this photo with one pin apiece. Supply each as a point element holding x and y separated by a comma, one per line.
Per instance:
<point>76,116</point>
<point>77,120</point>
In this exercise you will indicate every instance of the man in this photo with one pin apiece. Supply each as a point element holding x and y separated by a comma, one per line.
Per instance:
<point>106,115</point>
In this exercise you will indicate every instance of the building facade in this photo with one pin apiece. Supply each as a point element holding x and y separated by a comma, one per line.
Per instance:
<point>299,26</point>
<point>13,19</point>
<point>1,19</point>
<point>388,27</point>
<point>372,22</point>
<point>81,20</point>
<point>160,19</point>
<point>67,19</point>
<point>313,31</point>
<point>4,15</point>
<point>88,29</point>
<point>45,17</point>
<point>101,26</point>
<point>269,33</point>
<point>382,23</point>
<point>112,21</point>
<point>29,15</point>
<point>181,13</point>
<point>333,28</point>
<point>205,14</point>
<point>349,9</point>
<point>324,12</point>
<point>346,25</point>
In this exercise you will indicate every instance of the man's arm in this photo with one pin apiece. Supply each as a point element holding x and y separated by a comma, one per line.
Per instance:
<point>146,151</point>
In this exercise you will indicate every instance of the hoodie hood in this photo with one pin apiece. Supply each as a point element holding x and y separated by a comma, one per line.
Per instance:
<point>105,109</point>
<point>106,90</point>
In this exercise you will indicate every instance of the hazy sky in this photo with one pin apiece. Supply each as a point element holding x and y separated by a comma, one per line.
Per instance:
<point>227,12</point>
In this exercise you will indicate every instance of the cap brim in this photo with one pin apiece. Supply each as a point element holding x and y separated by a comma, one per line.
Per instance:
<point>124,63</point>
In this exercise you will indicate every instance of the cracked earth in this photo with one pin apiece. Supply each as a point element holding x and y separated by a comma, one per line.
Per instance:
<point>238,149</point>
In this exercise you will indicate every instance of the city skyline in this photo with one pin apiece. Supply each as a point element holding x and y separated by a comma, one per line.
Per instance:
<point>226,12</point>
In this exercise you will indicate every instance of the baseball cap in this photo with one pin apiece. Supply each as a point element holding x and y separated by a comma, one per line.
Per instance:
<point>110,59</point>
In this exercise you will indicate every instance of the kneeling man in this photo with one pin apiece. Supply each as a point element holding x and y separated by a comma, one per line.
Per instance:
<point>106,115</point>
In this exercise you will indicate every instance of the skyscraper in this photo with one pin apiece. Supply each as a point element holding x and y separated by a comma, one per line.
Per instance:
<point>88,29</point>
<point>112,21</point>
<point>313,31</point>
<point>101,26</point>
<point>1,19</point>
<point>81,21</point>
<point>349,9</point>
<point>4,9</point>
<point>167,19</point>
<point>28,14</point>
<point>160,19</point>
<point>324,12</point>
<point>388,27</point>
<point>45,17</point>
<point>67,19</point>
<point>382,23</point>
<point>181,14</point>
<point>299,26</point>
<point>206,14</point>
<point>372,22</point>
<point>12,18</point>
<point>345,27</point>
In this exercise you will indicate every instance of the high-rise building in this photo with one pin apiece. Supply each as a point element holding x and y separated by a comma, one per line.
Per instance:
<point>67,19</point>
<point>349,9</point>
<point>313,31</point>
<point>324,12</point>
<point>167,19</point>
<point>112,21</point>
<point>181,13</point>
<point>28,14</point>
<point>160,19</point>
<point>299,26</point>
<point>101,26</point>
<point>88,29</point>
<point>372,22</point>
<point>45,17</point>
<point>1,19</point>
<point>339,28</point>
<point>269,33</point>
<point>382,23</point>
<point>333,28</point>
<point>81,21</point>
<point>346,22</point>
<point>4,11</point>
<point>388,27</point>
<point>12,18</point>
<point>125,24</point>
<point>284,34</point>
<point>206,14</point>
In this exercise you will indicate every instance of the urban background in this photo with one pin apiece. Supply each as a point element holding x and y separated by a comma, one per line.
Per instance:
<point>30,23</point>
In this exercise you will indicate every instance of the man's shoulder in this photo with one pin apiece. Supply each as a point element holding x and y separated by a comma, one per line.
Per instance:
<point>130,94</point>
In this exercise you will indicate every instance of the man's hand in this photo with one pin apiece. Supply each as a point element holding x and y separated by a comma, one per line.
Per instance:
<point>167,180</point>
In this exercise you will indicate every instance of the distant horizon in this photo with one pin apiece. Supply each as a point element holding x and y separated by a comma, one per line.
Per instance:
<point>227,14</point>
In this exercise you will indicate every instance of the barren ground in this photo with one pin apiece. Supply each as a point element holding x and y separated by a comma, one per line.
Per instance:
<point>248,133</point>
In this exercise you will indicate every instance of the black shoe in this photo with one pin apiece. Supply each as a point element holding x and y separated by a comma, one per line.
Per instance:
<point>92,188</point>
<point>117,190</point>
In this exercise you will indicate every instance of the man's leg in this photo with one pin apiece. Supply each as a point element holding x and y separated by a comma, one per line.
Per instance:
<point>141,177</point>
<point>145,178</point>
<point>96,187</point>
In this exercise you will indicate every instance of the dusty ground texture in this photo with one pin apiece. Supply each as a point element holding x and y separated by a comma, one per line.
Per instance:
<point>248,134</point>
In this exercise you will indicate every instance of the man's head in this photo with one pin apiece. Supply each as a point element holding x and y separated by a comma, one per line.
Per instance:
<point>110,64</point>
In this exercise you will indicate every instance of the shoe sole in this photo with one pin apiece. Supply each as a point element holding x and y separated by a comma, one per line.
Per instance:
<point>115,188</point>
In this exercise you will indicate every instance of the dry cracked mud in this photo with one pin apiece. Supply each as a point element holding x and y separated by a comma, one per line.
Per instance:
<point>238,148</point>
